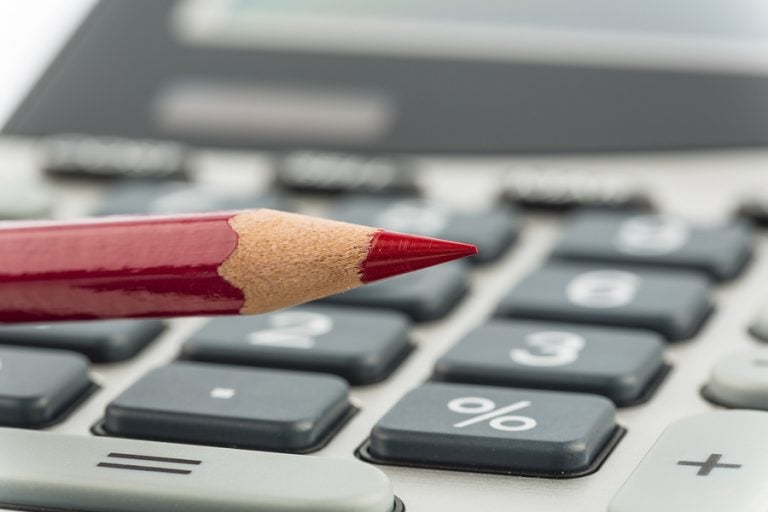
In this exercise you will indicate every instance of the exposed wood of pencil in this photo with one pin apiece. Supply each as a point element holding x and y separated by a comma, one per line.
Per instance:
<point>224,263</point>
<point>283,259</point>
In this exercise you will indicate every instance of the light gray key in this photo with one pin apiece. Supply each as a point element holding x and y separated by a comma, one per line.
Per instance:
<point>37,385</point>
<point>740,380</point>
<point>672,303</point>
<point>636,238</point>
<point>620,364</point>
<point>423,295</point>
<point>492,231</point>
<point>24,193</point>
<point>92,474</point>
<point>360,345</point>
<point>515,430</point>
<point>711,462</point>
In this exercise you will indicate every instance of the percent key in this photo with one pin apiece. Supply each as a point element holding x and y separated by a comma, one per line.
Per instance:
<point>502,430</point>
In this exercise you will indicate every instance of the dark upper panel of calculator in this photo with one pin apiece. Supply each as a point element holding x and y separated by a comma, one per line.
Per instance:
<point>131,71</point>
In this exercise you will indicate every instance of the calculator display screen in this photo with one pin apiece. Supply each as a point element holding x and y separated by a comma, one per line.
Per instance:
<point>423,27</point>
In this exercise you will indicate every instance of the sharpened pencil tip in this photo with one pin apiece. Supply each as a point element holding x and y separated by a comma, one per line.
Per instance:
<point>391,254</point>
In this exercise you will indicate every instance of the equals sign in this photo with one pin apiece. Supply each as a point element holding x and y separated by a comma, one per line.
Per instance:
<point>149,458</point>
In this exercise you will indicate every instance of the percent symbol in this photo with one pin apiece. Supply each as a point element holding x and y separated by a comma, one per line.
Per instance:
<point>485,410</point>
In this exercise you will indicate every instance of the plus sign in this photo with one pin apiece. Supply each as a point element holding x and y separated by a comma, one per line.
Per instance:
<point>706,467</point>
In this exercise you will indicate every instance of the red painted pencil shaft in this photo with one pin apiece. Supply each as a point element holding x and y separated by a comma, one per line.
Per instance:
<point>142,267</point>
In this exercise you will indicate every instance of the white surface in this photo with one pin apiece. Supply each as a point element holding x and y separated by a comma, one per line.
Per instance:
<point>30,34</point>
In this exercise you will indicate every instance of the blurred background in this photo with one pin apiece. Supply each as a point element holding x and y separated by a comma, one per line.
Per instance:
<point>423,77</point>
<point>528,103</point>
<point>31,36</point>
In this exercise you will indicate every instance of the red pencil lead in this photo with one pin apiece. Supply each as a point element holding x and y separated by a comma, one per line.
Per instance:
<point>393,253</point>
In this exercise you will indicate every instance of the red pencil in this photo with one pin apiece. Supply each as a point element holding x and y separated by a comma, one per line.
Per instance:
<point>210,264</point>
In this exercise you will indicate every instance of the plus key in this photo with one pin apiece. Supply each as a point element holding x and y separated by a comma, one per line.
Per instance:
<point>723,447</point>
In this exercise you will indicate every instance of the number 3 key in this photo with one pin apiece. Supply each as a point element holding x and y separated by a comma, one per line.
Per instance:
<point>621,364</point>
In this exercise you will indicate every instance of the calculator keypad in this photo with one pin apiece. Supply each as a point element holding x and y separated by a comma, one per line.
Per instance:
<point>531,392</point>
<point>224,405</point>
<point>481,427</point>
<point>672,303</point>
<point>631,238</point>
<point>360,345</point>
<point>620,364</point>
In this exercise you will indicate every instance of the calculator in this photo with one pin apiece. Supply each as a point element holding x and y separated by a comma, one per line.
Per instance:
<point>604,351</point>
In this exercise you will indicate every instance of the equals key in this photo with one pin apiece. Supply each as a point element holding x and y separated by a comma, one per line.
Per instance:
<point>47,470</point>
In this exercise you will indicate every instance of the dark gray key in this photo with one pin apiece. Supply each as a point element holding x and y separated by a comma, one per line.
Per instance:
<point>102,341</point>
<point>492,231</point>
<point>178,197</point>
<point>223,405</point>
<point>672,303</point>
<point>518,430</point>
<point>620,364</point>
<point>424,295</point>
<point>37,385</point>
<point>360,345</point>
<point>720,251</point>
